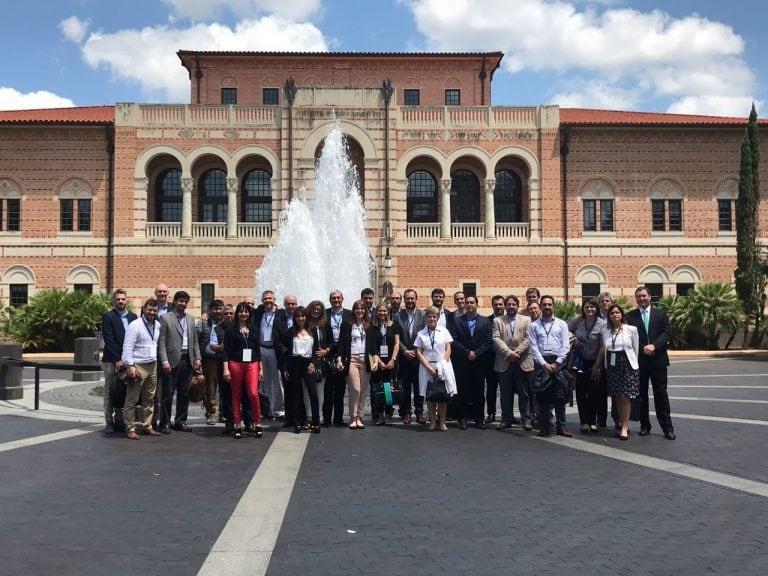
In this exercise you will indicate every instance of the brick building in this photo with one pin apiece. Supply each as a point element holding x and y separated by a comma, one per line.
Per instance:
<point>458,192</point>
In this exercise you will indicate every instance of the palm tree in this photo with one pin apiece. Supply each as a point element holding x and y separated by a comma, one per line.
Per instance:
<point>712,309</point>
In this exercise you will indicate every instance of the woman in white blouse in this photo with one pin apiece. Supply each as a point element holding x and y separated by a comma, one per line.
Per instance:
<point>301,371</point>
<point>621,345</point>
<point>433,346</point>
<point>356,344</point>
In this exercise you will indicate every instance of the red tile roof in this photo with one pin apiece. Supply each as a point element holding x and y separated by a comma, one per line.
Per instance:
<point>589,117</point>
<point>79,115</point>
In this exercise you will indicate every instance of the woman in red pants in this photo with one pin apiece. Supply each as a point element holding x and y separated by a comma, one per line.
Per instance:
<point>242,365</point>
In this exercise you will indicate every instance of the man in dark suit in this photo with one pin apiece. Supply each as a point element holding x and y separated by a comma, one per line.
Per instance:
<point>282,336</point>
<point>471,350</point>
<point>653,328</point>
<point>411,322</point>
<point>446,316</point>
<point>113,326</point>
<point>492,377</point>
<point>335,383</point>
<point>178,351</point>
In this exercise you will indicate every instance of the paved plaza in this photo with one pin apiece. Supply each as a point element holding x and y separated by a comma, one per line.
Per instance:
<point>392,500</point>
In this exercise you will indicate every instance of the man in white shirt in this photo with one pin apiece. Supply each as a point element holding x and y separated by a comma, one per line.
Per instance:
<point>549,345</point>
<point>140,358</point>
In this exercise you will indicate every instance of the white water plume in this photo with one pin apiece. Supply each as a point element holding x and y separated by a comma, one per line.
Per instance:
<point>323,247</point>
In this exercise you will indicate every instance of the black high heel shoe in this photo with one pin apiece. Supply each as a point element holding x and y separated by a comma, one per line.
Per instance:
<point>238,433</point>
<point>297,429</point>
<point>316,429</point>
<point>259,431</point>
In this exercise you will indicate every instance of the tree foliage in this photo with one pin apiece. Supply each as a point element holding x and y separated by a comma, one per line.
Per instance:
<point>53,319</point>
<point>749,274</point>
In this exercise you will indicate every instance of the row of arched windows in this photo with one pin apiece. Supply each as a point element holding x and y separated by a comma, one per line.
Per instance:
<point>423,194</point>
<point>255,196</point>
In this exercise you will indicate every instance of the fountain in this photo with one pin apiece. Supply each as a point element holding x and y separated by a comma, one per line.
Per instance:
<point>322,247</point>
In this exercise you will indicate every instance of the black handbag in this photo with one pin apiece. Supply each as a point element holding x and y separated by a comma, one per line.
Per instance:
<point>436,391</point>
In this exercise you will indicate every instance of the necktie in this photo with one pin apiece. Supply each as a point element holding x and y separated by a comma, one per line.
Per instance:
<point>645,319</point>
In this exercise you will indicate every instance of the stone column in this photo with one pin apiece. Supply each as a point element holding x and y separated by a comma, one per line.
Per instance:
<point>490,210</point>
<point>445,209</point>
<point>232,185</point>
<point>534,209</point>
<point>141,209</point>
<point>187,184</point>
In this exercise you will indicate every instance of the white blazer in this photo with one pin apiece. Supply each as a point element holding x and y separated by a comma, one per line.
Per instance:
<point>630,343</point>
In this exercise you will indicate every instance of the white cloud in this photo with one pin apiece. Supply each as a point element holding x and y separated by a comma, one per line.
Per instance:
<point>148,56</point>
<point>74,29</point>
<point>203,10</point>
<point>649,53</point>
<point>736,106</point>
<point>12,99</point>
<point>596,94</point>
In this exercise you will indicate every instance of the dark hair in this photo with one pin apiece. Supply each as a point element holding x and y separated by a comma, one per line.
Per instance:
<point>415,295</point>
<point>533,291</point>
<point>620,309</point>
<point>149,302</point>
<point>515,298</point>
<point>215,303</point>
<point>320,322</point>
<point>181,295</point>
<point>641,288</point>
<point>547,297</point>
<point>496,297</point>
<point>119,291</point>
<point>242,306</point>
<point>366,319</point>
<point>438,291</point>
<point>366,292</point>
<point>299,311</point>
<point>591,301</point>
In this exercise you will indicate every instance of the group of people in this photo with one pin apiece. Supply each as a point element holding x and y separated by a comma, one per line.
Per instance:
<point>299,363</point>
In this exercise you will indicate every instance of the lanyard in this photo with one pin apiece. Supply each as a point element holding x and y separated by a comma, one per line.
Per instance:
<point>150,332</point>
<point>411,318</point>
<point>613,339</point>
<point>269,318</point>
<point>360,331</point>
<point>431,334</point>
<point>551,325</point>
<point>245,336</point>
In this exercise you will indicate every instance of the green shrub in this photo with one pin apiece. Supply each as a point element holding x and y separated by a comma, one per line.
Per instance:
<point>566,310</point>
<point>53,319</point>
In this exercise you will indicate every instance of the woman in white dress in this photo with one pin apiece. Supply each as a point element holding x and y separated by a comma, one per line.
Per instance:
<point>433,348</point>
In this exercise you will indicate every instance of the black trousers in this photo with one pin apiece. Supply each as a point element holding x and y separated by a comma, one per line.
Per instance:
<point>657,375</point>
<point>377,378</point>
<point>298,378</point>
<point>409,375</point>
<point>587,394</point>
<point>470,382</point>
<point>176,383</point>
<point>333,397</point>
<point>491,388</point>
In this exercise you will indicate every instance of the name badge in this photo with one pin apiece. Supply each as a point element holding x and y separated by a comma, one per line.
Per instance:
<point>247,355</point>
<point>433,356</point>
<point>612,359</point>
<point>267,337</point>
<point>384,350</point>
<point>336,334</point>
<point>153,350</point>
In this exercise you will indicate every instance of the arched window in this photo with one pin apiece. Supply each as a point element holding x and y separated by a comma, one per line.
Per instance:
<point>465,197</point>
<point>213,196</point>
<point>257,196</point>
<point>508,197</point>
<point>75,200</point>
<point>168,196</point>
<point>421,197</point>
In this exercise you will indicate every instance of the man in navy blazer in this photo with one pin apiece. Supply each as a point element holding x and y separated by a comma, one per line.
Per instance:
<point>335,382</point>
<point>113,325</point>
<point>655,333</point>
<point>471,353</point>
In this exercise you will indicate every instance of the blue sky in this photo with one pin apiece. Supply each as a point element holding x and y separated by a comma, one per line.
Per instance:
<point>697,57</point>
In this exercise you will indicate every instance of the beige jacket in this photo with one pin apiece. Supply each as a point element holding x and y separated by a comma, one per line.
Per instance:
<point>504,342</point>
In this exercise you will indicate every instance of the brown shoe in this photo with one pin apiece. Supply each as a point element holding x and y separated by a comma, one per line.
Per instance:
<point>421,420</point>
<point>527,426</point>
<point>131,435</point>
<point>151,432</point>
<point>503,426</point>
<point>407,419</point>
<point>563,431</point>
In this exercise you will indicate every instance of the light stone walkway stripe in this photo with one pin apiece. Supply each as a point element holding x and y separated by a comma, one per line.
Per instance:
<point>668,466</point>
<point>697,376</point>
<point>738,387</point>
<point>675,416</point>
<point>245,545</point>
<point>43,438</point>
<point>717,399</point>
